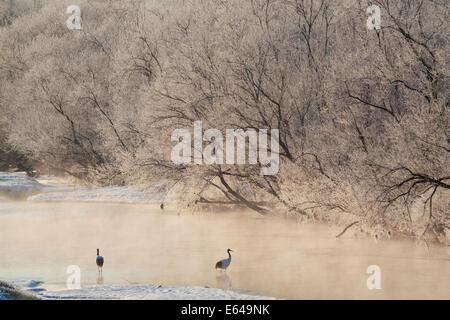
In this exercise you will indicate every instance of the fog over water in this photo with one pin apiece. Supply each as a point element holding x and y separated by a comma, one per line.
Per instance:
<point>272,257</point>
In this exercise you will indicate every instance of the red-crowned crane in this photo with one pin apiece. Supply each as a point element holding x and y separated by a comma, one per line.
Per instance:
<point>99,261</point>
<point>225,263</point>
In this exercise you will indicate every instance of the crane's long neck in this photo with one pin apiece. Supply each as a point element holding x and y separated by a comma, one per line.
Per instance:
<point>98,252</point>
<point>229,255</point>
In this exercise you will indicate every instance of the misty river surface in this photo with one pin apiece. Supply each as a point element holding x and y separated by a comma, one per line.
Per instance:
<point>272,257</point>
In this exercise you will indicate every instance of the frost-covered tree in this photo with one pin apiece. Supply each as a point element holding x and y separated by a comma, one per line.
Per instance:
<point>363,114</point>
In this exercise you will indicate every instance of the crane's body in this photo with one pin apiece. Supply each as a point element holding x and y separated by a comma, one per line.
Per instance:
<point>224,263</point>
<point>99,261</point>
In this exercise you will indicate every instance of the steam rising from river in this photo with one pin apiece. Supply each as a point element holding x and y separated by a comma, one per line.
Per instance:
<point>273,257</point>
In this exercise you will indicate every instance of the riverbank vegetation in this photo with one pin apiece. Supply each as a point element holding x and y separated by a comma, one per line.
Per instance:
<point>363,115</point>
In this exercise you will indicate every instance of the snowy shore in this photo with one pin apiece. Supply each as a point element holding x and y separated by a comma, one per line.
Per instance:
<point>18,185</point>
<point>130,292</point>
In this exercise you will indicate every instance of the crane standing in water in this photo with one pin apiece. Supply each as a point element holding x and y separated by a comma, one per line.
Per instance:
<point>225,263</point>
<point>99,261</point>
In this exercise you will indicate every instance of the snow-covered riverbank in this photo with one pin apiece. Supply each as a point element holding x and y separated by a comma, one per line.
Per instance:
<point>18,185</point>
<point>133,292</point>
<point>124,194</point>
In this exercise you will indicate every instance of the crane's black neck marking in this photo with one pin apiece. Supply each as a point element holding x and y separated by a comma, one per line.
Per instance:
<point>98,252</point>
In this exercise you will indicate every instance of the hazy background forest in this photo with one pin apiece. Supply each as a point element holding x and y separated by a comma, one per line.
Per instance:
<point>363,114</point>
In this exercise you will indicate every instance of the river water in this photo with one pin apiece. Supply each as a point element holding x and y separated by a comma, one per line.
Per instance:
<point>272,257</point>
